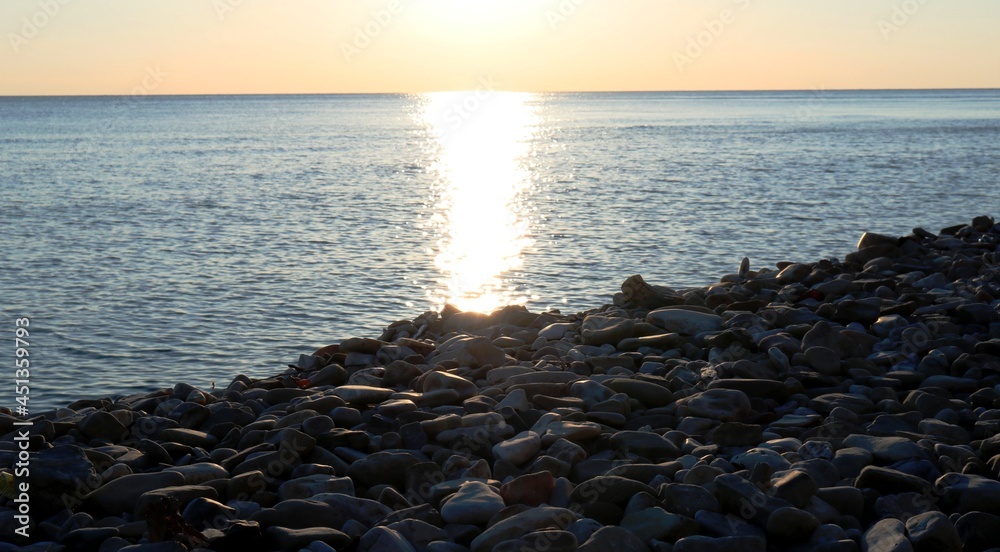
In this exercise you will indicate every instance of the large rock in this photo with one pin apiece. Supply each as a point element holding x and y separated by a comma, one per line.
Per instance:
<point>684,322</point>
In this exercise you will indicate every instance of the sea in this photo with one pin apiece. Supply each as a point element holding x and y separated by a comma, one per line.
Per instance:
<point>154,240</point>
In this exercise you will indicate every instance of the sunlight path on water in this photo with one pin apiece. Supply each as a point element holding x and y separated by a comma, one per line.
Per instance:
<point>481,140</point>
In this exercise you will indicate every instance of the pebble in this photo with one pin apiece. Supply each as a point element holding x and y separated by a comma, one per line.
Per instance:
<point>383,539</point>
<point>555,331</point>
<point>532,489</point>
<point>122,494</point>
<point>727,405</point>
<point>685,322</point>
<point>362,394</point>
<point>598,330</point>
<point>518,449</point>
<point>654,523</point>
<point>311,485</point>
<point>791,524</point>
<point>687,500</point>
<point>965,493</point>
<point>521,524</point>
<point>613,538</point>
<point>651,395</point>
<point>834,405</point>
<point>887,535</point>
<point>474,503</point>
<point>551,540</point>
<point>751,458</point>
<point>700,543</point>
<point>648,445</point>
<point>933,531</point>
<point>978,531</point>
<point>885,449</point>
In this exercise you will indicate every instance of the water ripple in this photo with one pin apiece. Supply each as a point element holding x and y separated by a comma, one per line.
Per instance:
<point>191,239</point>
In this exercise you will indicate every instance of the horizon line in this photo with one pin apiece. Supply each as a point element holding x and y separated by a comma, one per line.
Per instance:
<point>194,94</point>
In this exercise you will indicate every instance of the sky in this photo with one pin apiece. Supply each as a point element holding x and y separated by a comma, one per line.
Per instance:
<point>120,47</point>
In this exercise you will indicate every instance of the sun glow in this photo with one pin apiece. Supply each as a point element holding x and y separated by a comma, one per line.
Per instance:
<point>473,18</point>
<point>479,140</point>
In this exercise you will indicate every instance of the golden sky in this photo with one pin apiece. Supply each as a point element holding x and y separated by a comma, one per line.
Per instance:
<point>326,46</point>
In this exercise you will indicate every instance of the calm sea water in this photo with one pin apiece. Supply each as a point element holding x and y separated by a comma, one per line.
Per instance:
<point>193,238</point>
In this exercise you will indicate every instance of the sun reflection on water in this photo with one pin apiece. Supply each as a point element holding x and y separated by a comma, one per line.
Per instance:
<point>480,141</point>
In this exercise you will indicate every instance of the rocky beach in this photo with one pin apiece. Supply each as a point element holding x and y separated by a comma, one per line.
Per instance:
<point>838,405</point>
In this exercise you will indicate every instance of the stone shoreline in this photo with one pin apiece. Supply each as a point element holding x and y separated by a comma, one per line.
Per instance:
<point>839,405</point>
